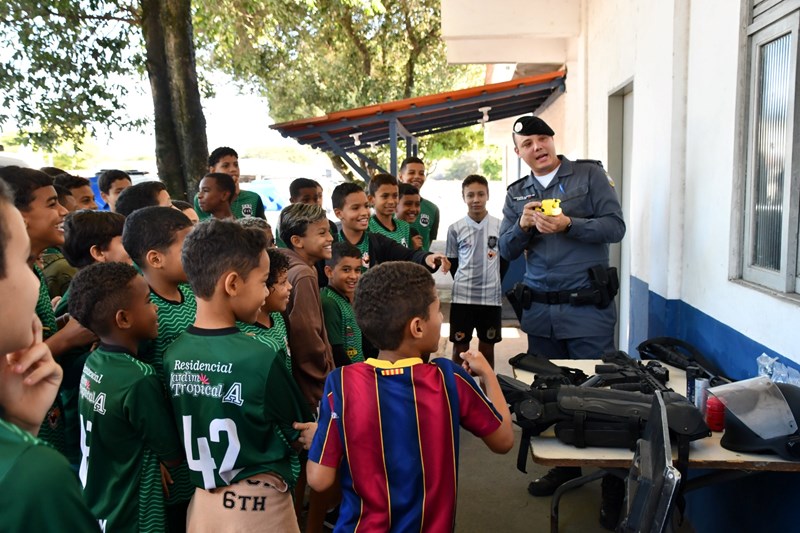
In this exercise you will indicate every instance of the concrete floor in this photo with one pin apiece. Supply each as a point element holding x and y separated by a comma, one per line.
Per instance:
<point>492,493</point>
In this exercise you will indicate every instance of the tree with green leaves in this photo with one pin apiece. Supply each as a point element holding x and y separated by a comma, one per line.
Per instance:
<point>310,57</point>
<point>66,67</point>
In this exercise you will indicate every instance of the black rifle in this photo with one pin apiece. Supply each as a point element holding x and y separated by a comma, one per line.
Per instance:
<point>681,354</point>
<point>625,373</point>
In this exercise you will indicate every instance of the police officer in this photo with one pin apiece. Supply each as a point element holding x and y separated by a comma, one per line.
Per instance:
<point>568,313</point>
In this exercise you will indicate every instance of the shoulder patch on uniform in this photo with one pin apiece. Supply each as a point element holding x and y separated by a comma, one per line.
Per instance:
<point>593,161</point>
<point>518,181</point>
<point>599,164</point>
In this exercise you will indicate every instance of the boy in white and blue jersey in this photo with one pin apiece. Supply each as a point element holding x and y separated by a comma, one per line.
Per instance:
<point>472,248</point>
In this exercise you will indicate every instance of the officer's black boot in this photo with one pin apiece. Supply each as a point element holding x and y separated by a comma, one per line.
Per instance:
<point>548,483</point>
<point>612,496</point>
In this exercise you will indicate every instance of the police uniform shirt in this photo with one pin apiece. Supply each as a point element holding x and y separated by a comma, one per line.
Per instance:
<point>560,262</point>
<point>475,244</point>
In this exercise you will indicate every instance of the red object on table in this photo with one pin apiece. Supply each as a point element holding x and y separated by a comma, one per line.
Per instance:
<point>715,414</point>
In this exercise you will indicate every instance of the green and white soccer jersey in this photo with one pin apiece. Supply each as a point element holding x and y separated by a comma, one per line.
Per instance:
<point>40,492</point>
<point>234,403</point>
<point>340,323</point>
<point>401,233</point>
<point>276,336</point>
<point>246,204</point>
<point>173,319</point>
<point>53,426</point>
<point>363,247</point>
<point>126,429</point>
<point>427,223</point>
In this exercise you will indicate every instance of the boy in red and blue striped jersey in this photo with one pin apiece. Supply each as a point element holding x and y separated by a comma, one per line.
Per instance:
<point>399,469</point>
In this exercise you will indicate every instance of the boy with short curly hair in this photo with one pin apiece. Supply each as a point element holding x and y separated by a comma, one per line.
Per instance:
<point>126,425</point>
<point>384,484</point>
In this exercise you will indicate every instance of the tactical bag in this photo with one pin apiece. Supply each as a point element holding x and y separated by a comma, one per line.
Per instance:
<point>597,417</point>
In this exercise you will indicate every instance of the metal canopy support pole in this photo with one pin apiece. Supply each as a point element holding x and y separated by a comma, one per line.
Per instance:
<point>336,149</point>
<point>368,160</point>
<point>393,145</point>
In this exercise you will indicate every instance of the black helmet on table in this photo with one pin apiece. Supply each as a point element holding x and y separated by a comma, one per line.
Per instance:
<point>740,437</point>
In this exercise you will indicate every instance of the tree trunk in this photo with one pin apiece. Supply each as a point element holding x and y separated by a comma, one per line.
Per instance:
<point>187,111</point>
<point>180,126</point>
<point>168,160</point>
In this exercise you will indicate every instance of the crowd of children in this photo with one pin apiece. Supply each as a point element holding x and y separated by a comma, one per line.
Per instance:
<point>189,371</point>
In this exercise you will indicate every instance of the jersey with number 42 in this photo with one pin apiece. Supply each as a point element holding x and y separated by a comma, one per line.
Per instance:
<point>234,404</point>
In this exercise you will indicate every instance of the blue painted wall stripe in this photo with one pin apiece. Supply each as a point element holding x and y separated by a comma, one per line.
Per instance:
<point>733,352</point>
<point>737,505</point>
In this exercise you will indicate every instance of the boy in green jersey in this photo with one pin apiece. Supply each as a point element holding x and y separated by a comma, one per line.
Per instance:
<point>91,237</point>
<point>383,195</point>
<point>215,193</point>
<point>37,201</point>
<point>144,194</point>
<point>270,327</point>
<point>243,203</point>
<point>232,397</point>
<point>408,210</point>
<point>343,270</point>
<point>412,171</point>
<point>351,206</point>
<point>126,427</point>
<point>31,472</point>
<point>153,237</point>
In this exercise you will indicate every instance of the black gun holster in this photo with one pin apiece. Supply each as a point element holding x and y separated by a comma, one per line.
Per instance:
<point>605,283</point>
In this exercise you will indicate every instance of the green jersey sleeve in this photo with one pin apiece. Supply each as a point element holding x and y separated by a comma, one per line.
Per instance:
<point>41,493</point>
<point>286,404</point>
<point>333,320</point>
<point>260,209</point>
<point>147,411</point>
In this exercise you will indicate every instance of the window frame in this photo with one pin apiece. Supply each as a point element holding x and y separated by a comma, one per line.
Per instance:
<point>787,279</point>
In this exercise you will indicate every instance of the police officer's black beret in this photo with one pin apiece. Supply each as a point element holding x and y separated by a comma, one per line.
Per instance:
<point>532,126</point>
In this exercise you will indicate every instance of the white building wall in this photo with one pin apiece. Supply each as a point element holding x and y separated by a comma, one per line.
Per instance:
<point>683,59</point>
<point>712,161</point>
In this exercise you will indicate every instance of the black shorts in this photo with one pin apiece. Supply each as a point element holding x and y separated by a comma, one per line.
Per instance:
<point>487,319</point>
